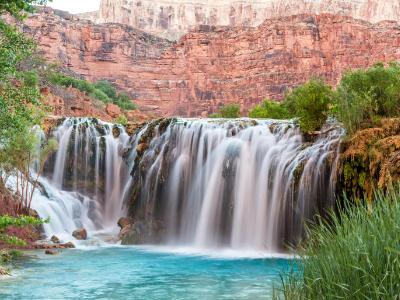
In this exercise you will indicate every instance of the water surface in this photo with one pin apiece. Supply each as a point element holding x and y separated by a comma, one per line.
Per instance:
<point>142,273</point>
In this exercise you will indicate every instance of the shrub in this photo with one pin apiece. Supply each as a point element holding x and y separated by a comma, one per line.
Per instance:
<point>269,110</point>
<point>364,96</point>
<point>21,221</point>
<point>31,79</point>
<point>354,256</point>
<point>107,88</point>
<point>230,111</point>
<point>122,120</point>
<point>124,101</point>
<point>311,103</point>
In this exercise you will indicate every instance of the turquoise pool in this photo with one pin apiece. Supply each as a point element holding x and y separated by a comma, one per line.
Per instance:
<point>141,273</point>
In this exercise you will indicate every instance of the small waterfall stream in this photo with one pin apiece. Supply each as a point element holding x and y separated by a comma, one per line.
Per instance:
<point>241,184</point>
<point>82,183</point>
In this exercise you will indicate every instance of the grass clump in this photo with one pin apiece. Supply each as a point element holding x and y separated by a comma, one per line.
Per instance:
<point>354,256</point>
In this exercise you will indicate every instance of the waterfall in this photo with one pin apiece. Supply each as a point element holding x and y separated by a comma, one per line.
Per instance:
<point>240,184</point>
<point>82,183</point>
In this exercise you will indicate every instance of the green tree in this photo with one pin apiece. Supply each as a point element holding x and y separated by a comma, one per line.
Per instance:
<point>19,8</point>
<point>311,103</point>
<point>269,109</point>
<point>230,111</point>
<point>365,96</point>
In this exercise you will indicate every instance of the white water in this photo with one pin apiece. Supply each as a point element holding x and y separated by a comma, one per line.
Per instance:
<point>207,184</point>
<point>68,193</point>
<point>232,184</point>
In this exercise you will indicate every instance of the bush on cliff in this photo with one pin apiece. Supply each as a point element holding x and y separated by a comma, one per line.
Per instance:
<point>102,90</point>
<point>356,255</point>
<point>365,96</point>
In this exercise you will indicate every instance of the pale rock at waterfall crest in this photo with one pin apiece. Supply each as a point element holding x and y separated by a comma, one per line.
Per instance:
<point>173,18</point>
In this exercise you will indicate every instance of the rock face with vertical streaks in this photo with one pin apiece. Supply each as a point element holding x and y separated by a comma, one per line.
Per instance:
<point>214,65</point>
<point>174,18</point>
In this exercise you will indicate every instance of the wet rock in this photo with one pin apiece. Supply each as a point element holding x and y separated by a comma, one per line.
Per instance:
<point>51,252</point>
<point>80,234</point>
<point>55,239</point>
<point>123,222</point>
<point>68,245</point>
<point>4,272</point>
<point>141,148</point>
<point>116,131</point>
<point>130,235</point>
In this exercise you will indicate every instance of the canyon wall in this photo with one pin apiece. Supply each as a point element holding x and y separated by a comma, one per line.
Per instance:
<point>215,65</point>
<point>174,18</point>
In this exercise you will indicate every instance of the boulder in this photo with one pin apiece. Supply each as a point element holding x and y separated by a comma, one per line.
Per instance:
<point>4,272</point>
<point>80,234</point>
<point>130,236</point>
<point>123,222</point>
<point>116,131</point>
<point>51,252</point>
<point>113,110</point>
<point>68,245</point>
<point>55,239</point>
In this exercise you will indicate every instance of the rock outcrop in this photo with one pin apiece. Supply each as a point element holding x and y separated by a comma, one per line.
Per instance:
<point>371,159</point>
<point>213,66</point>
<point>80,234</point>
<point>174,18</point>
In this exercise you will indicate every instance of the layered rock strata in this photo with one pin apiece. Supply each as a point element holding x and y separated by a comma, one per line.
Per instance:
<point>174,18</point>
<point>213,66</point>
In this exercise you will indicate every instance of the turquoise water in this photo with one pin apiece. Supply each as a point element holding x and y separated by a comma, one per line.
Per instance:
<point>135,273</point>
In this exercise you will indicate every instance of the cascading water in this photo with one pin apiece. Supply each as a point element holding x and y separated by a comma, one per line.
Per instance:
<point>240,184</point>
<point>82,183</point>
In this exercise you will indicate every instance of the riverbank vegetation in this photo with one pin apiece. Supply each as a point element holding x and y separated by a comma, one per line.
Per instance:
<point>356,255</point>
<point>20,111</point>
<point>362,98</point>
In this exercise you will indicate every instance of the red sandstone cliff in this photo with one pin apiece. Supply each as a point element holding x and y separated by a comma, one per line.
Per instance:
<point>215,65</point>
<point>174,18</point>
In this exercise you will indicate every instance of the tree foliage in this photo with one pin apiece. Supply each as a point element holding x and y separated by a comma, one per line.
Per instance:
<point>269,109</point>
<point>20,221</point>
<point>230,111</point>
<point>364,96</point>
<point>102,90</point>
<point>310,103</point>
<point>19,8</point>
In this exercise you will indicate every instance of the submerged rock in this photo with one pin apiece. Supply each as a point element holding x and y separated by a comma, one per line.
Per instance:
<point>55,239</point>
<point>80,234</point>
